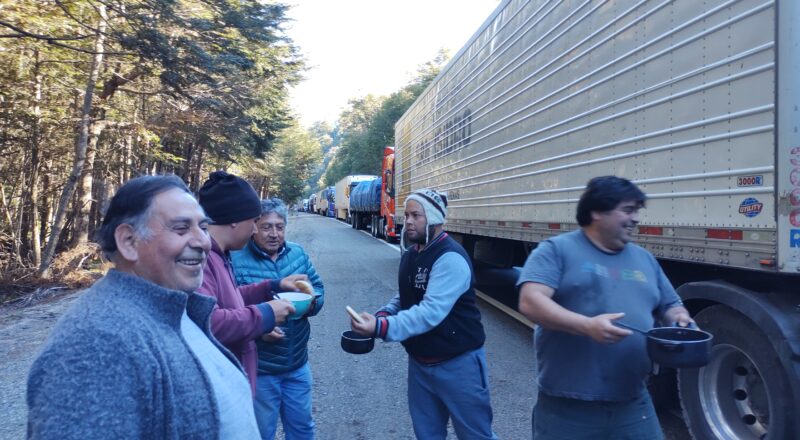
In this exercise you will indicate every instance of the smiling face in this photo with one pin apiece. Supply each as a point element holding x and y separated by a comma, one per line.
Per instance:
<point>615,228</point>
<point>271,233</point>
<point>174,252</point>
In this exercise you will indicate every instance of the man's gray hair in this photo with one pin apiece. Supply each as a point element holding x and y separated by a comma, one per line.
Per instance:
<point>132,205</point>
<point>275,205</point>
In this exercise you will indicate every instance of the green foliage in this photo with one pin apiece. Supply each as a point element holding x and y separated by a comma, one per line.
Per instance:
<point>184,86</point>
<point>285,170</point>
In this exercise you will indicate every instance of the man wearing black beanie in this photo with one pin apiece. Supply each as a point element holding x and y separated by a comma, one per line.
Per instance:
<point>242,313</point>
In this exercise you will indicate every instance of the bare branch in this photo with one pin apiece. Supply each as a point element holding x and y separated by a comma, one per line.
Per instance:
<point>22,33</point>
<point>56,41</point>
<point>75,19</point>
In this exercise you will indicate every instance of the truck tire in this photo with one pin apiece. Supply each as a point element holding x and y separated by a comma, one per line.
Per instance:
<point>742,393</point>
<point>354,220</point>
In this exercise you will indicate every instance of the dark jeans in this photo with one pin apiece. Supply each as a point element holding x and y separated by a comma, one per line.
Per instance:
<point>558,418</point>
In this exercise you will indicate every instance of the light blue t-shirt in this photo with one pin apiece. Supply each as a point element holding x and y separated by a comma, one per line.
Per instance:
<point>231,389</point>
<point>591,282</point>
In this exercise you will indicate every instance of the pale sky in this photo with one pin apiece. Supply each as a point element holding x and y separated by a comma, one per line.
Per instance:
<point>358,47</point>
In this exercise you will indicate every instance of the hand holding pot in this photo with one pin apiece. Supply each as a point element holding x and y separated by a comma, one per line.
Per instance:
<point>601,328</point>
<point>678,316</point>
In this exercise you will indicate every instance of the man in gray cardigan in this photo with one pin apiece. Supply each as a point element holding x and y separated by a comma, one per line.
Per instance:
<point>134,357</point>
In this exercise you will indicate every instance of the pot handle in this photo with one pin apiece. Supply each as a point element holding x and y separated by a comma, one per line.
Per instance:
<point>667,346</point>
<point>691,325</point>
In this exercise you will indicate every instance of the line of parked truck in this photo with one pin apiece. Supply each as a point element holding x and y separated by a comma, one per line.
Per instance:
<point>364,201</point>
<point>698,104</point>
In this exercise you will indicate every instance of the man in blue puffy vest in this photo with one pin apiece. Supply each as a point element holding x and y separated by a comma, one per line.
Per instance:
<point>283,384</point>
<point>436,318</point>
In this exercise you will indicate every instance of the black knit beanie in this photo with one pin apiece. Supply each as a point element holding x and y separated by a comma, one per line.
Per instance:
<point>228,199</point>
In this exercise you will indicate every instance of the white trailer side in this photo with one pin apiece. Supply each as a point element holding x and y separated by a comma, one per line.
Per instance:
<point>698,103</point>
<point>678,96</point>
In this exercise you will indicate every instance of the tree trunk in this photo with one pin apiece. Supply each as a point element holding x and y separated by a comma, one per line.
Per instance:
<point>45,205</point>
<point>197,178</point>
<point>80,145</point>
<point>84,203</point>
<point>11,226</point>
<point>33,183</point>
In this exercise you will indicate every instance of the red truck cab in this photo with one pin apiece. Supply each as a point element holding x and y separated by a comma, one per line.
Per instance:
<point>391,230</point>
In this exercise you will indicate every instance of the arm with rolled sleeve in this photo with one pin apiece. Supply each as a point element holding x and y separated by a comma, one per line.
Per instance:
<point>449,278</point>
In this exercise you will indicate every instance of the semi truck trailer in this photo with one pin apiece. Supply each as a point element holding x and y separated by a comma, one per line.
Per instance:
<point>372,203</point>
<point>695,102</point>
<point>343,188</point>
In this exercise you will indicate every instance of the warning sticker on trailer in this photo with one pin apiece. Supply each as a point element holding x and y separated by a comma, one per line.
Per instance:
<point>750,207</point>
<point>750,180</point>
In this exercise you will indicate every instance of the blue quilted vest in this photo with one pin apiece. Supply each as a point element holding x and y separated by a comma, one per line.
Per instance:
<point>251,265</point>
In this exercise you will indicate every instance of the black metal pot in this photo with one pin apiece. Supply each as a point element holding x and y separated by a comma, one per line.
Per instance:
<point>677,347</point>
<point>354,343</point>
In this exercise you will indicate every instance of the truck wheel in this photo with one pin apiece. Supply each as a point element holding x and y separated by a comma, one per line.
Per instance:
<point>380,228</point>
<point>373,226</point>
<point>742,392</point>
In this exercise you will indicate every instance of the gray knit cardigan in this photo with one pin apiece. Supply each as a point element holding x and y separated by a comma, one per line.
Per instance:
<point>116,366</point>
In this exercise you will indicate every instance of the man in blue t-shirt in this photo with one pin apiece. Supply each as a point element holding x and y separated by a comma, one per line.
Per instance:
<point>574,287</point>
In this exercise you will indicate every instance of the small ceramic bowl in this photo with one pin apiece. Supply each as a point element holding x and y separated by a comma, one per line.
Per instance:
<point>300,300</point>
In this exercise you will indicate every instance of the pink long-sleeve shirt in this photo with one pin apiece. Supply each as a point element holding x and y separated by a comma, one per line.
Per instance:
<point>240,315</point>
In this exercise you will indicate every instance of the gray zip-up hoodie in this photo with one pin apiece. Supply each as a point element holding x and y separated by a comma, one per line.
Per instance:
<point>116,366</point>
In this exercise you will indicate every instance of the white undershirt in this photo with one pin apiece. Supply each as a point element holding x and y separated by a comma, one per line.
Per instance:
<point>231,389</point>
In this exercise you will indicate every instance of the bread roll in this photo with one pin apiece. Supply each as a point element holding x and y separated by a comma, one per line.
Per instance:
<point>304,286</point>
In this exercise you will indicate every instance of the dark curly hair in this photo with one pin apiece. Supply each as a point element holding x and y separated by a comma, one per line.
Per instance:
<point>605,193</point>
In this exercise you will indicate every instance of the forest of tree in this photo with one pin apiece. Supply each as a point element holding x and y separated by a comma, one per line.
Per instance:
<point>94,92</point>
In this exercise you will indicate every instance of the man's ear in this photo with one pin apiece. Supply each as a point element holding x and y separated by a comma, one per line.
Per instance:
<point>126,239</point>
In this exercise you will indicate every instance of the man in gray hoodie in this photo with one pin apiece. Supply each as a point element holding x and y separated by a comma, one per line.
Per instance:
<point>134,357</point>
